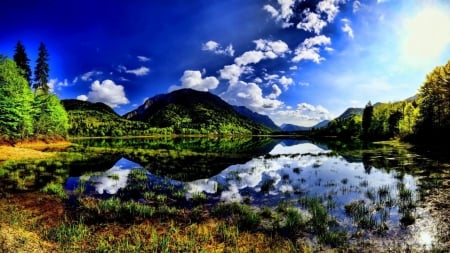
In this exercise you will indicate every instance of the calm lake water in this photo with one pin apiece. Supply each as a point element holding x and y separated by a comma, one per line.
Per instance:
<point>392,191</point>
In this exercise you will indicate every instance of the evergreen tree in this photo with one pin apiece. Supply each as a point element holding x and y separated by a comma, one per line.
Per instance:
<point>22,61</point>
<point>367,120</point>
<point>15,102</point>
<point>42,69</point>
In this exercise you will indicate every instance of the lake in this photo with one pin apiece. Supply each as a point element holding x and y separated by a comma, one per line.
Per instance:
<point>386,193</point>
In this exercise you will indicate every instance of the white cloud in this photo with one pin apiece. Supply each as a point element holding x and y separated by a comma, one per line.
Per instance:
<point>106,92</point>
<point>249,95</point>
<point>216,48</point>
<point>305,84</point>
<point>425,37</point>
<point>88,76</point>
<point>346,28</point>
<point>141,71</point>
<point>231,73</point>
<point>356,6</point>
<point>303,115</point>
<point>309,49</point>
<point>249,57</point>
<point>192,79</point>
<point>279,47</point>
<point>330,7</point>
<point>276,91</point>
<point>312,22</point>
<point>283,14</point>
<point>55,84</point>
<point>82,97</point>
<point>142,58</point>
<point>286,82</point>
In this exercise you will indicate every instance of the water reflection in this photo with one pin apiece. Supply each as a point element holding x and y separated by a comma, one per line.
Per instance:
<point>380,186</point>
<point>110,181</point>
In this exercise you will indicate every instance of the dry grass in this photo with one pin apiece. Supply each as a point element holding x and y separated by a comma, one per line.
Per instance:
<point>31,150</point>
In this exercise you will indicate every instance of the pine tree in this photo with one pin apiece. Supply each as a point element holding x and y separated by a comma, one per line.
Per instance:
<point>42,69</point>
<point>367,120</point>
<point>22,61</point>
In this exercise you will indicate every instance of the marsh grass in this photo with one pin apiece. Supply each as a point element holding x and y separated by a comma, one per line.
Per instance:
<point>56,189</point>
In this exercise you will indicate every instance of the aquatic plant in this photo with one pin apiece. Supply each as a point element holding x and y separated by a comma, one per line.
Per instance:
<point>55,189</point>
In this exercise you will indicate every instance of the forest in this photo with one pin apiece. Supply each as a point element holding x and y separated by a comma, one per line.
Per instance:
<point>28,110</point>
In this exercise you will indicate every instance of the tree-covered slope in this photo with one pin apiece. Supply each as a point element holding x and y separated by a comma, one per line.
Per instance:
<point>190,111</point>
<point>258,118</point>
<point>98,119</point>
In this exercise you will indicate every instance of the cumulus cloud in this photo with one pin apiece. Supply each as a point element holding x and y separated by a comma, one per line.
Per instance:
<point>276,91</point>
<point>231,73</point>
<point>346,27</point>
<point>329,7</point>
<point>283,14</point>
<point>286,82</point>
<point>141,71</point>
<point>192,79</point>
<point>278,48</point>
<point>55,84</point>
<point>82,97</point>
<point>249,57</point>
<point>142,58</point>
<point>309,49</point>
<point>265,49</point>
<point>304,115</point>
<point>88,76</point>
<point>249,95</point>
<point>107,92</point>
<point>311,22</point>
<point>216,48</point>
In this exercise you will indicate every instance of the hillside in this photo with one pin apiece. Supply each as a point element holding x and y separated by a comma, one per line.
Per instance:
<point>191,111</point>
<point>98,119</point>
<point>258,118</point>
<point>350,112</point>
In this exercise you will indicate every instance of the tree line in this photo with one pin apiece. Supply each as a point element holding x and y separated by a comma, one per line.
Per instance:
<point>28,110</point>
<point>422,118</point>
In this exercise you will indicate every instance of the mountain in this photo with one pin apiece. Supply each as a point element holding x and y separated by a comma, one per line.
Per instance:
<point>75,104</point>
<point>350,112</point>
<point>321,124</point>
<point>256,117</point>
<point>293,128</point>
<point>98,119</point>
<point>191,111</point>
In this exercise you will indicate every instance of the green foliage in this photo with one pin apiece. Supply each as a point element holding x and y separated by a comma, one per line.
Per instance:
<point>22,61</point>
<point>15,103</point>
<point>24,115</point>
<point>434,103</point>
<point>42,69</point>
<point>50,118</point>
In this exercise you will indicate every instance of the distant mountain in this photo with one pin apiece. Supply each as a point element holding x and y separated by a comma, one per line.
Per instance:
<point>191,111</point>
<point>293,128</point>
<point>350,112</point>
<point>321,124</point>
<point>256,117</point>
<point>75,104</point>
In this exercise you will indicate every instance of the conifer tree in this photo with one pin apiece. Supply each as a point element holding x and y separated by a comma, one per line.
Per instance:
<point>367,120</point>
<point>22,61</point>
<point>42,69</point>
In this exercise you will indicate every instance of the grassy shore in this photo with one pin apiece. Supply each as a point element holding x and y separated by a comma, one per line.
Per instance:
<point>31,150</point>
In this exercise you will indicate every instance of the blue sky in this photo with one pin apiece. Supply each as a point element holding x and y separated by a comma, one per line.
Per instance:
<point>297,61</point>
